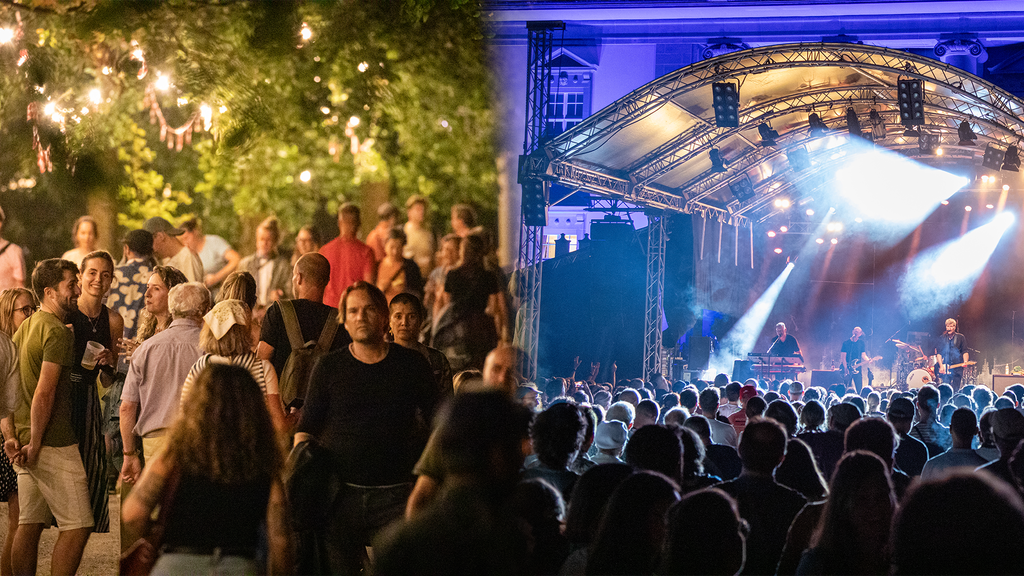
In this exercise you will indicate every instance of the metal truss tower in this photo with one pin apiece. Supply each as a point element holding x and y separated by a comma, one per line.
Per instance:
<point>655,289</point>
<point>531,238</point>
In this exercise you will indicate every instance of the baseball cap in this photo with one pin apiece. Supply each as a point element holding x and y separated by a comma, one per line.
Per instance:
<point>610,434</point>
<point>901,408</point>
<point>139,242</point>
<point>748,391</point>
<point>158,224</point>
<point>796,386</point>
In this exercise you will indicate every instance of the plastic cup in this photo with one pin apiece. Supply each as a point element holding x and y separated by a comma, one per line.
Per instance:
<point>92,349</point>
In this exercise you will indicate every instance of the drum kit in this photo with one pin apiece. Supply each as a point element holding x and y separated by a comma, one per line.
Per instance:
<point>914,368</point>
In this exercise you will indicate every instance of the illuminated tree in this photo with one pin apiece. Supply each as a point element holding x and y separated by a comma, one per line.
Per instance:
<point>217,108</point>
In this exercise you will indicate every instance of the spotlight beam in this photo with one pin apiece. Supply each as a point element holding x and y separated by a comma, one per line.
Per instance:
<point>948,272</point>
<point>742,337</point>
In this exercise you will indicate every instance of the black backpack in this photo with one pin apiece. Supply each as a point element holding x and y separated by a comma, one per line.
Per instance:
<point>294,379</point>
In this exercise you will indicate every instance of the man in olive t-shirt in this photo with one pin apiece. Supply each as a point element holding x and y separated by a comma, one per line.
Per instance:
<point>51,477</point>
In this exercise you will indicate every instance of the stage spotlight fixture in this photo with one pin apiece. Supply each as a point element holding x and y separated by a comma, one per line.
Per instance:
<point>967,136</point>
<point>799,159</point>
<point>1006,187</point>
<point>984,177</point>
<point>742,189</point>
<point>820,240</point>
<point>1011,161</point>
<point>535,203</point>
<point>783,228</point>
<point>945,202</point>
<point>928,143</point>
<point>717,162</point>
<point>816,126</point>
<point>910,96</point>
<point>878,131</point>
<point>771,234</point>
<point>727,104</point>
<point>989,206</point>
<point>810,212</point>
<point>782,203</point>
<point>993,158</point>
<point>853,123</point>
<point>768,134</point>
<point>968,208</point>
<point>835,241</point>
<point>911,133</point>
<point>778,250</point>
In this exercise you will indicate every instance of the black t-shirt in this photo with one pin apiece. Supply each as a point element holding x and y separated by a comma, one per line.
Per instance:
<point>366,414</point>
<point>312,317</point>
<point>853,351</point>
<point>471,287</point>
<point>787,347</point>
<point>951,348</point>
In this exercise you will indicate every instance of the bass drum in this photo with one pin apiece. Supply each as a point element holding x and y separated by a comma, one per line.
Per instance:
<point>918,378</point>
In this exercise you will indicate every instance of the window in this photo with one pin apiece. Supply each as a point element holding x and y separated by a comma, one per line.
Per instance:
<point>564,111</point>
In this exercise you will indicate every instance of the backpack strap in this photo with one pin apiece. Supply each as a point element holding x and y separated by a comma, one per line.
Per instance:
<point>327,334</point>
<point>291,324</point>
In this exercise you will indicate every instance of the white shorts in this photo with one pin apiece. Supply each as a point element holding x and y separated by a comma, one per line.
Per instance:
<point>56,483</point>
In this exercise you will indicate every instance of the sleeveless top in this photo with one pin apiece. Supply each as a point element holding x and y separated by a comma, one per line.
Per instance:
<point>206,514</point>
<point>86,329</point>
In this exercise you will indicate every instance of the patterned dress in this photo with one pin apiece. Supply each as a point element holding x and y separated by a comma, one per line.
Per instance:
<point>86,414</point>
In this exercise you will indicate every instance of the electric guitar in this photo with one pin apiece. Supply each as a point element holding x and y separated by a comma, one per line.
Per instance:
<point>946,369</point>
<point>854,367</point>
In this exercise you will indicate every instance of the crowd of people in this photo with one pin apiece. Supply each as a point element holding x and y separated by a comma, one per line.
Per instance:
<point>357,408</point>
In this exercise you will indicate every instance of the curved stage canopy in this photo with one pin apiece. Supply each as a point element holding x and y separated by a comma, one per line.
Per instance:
<point>651,147</point>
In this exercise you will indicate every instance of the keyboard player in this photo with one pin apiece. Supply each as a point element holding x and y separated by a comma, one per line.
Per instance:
<point>784,344</point>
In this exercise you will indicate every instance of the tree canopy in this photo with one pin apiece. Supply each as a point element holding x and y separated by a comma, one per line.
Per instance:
<point>235,110</point>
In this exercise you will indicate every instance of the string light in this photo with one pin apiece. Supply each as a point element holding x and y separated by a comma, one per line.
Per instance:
<point>363,66</point>
<point>95,96</point>
<point>162,82</point>
<point>353,121</point>
<point>306,33</point>
<point>223,109</point>
<point>206,113</point>
<point>6,35</point>
<point>305,176</point>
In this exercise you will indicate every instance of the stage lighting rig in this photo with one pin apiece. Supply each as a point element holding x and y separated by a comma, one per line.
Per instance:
<point>878,131</point>
<point>726,101</point>
<point>967,136</point>
<point>1011,161</point>
<point>816,126</point>
<point>717,162</point>
<point>853,123</point>
<point>910,96</point>
<point>928,143</point>
<point>993,158</point>
<point>742,189</point>
<point>768,134</point>
<point>799,159</point>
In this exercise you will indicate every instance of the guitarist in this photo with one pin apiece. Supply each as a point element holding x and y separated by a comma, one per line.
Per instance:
<point>854,357</point>
<point>952,350</point>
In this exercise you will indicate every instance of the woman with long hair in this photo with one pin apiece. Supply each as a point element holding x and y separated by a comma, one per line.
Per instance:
<point>93,322</point>
<point>223,467</point>
<point>16,304</point>
<point>853,535</point>
<point>227,339</point>
<point>84,235</point>
<point>156,315</point>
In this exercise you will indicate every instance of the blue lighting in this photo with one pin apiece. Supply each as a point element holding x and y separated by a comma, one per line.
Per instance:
<point>948,272</point>
<point>744,334</point>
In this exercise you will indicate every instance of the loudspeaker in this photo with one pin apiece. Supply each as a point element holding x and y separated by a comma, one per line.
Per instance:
<point>700,352</point>
<point>826,378</point>
<point>742,369</point>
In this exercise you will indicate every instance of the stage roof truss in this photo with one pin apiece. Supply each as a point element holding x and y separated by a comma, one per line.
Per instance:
<point>650,147</point>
